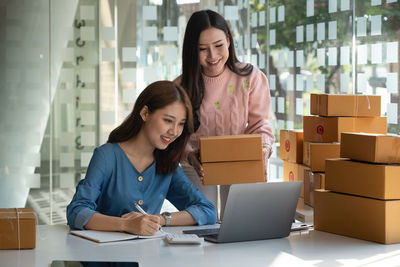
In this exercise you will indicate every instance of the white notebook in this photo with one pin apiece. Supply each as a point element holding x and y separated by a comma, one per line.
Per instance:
<point>103,236</point>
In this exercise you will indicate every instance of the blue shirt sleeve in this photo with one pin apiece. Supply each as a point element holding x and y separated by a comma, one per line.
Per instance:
<point>185,196</point>
<point>83,204</point>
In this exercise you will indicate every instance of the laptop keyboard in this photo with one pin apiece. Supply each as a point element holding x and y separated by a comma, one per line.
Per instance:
<point>203,232</point>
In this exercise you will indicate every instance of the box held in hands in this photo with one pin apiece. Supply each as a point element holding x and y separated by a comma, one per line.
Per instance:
<point>232,159</point>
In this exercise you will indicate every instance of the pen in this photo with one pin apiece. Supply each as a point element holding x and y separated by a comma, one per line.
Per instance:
<point>141,210</point>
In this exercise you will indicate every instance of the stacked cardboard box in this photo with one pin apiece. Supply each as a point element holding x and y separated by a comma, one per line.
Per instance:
<point>291,152</point>
<point>312,181</point>
<point>232,159</point>
<point>335,114</point>
<point>363,200</point>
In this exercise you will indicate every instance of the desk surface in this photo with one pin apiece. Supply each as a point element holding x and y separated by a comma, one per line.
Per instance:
<point>310,248</point>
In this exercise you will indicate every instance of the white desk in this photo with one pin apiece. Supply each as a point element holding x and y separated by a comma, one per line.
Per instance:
<point>305,249</point>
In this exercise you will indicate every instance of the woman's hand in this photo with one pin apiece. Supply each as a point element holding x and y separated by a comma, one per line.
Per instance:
<point>140,224</point>
<point>193,159</point>
<point>267,152</point>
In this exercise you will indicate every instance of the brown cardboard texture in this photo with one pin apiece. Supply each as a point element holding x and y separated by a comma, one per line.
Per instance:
<point>231,148</point>
<point>359,217</point>
<point>233,172</point>
<point>328,129</point>
<point>17,224</point>
<point>377,148</point>
<point>363,179</point>
<point>312,181</point>
<point>232,159</point>
<point>315,154</point>
<point>350,105</point>
<point>294,172</point>
<point>291,145</point>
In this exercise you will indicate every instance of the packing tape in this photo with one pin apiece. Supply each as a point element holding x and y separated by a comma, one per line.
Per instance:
<point>18,211</point>
<point>368,101</point>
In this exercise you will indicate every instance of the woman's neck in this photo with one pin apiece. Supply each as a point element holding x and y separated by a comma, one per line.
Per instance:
<point>139,151</point>
<point>216,75</point>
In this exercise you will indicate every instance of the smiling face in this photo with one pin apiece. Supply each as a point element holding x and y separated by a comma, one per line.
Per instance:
<point>213,51</point>
<point>163,126</point>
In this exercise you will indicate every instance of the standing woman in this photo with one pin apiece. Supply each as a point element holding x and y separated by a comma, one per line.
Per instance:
<point>228,97</point>
<point>139,164</point>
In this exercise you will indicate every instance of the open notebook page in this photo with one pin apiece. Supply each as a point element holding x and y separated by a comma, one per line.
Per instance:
<point>104,236</point>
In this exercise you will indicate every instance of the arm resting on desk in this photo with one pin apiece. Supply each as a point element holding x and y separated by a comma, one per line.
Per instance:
<point>185,197</point>
<point>133,222</point>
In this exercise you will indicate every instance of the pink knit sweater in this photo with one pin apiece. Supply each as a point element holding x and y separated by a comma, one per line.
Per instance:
<point>234,104</point>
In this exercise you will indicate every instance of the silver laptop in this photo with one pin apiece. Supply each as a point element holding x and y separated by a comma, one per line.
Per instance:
<point>256,211</point>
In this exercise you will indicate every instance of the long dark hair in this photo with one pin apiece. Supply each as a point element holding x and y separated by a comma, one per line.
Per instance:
<point>192,80</point>
<point>156,96</point>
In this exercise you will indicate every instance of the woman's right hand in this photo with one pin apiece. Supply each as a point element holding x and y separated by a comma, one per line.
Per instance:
<point>140,224</point>
<point>193,160</point>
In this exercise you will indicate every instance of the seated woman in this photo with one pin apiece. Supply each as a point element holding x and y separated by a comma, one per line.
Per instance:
<point>139,164</point>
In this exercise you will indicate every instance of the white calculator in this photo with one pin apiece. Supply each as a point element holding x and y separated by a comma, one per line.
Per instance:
<point>183,239</point>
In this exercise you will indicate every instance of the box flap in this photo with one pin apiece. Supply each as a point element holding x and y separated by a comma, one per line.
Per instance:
<point>11,214</point>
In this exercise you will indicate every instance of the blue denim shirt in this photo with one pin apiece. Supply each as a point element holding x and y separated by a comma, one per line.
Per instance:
<point>112,185</point>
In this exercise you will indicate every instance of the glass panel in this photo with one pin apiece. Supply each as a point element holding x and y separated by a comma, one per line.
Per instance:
<point>24,98</point>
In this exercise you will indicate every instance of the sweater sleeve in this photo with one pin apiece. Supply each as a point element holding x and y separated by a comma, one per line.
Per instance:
<point>83,204</point>
<point>184,196</point>
<point>260,108</point>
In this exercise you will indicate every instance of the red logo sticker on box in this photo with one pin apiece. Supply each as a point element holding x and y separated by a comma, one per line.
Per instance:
<point>291,176</point>
<point>287,145</point>
<point>320,129</point>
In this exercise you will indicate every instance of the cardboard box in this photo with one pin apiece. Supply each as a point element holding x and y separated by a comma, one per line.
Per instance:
<point>328,129</point>
<point>350,105</point>
<point>14,220</point>
<point>291,145</point>
<point>232,159</point>
<point>294,172</point>
<point>359,217</point>
<point>377,148</point>
<point>315,154</point>
<point>312,181</point>
<point>363,179</point>
<point>233,172</point>
<point>231,148</point>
